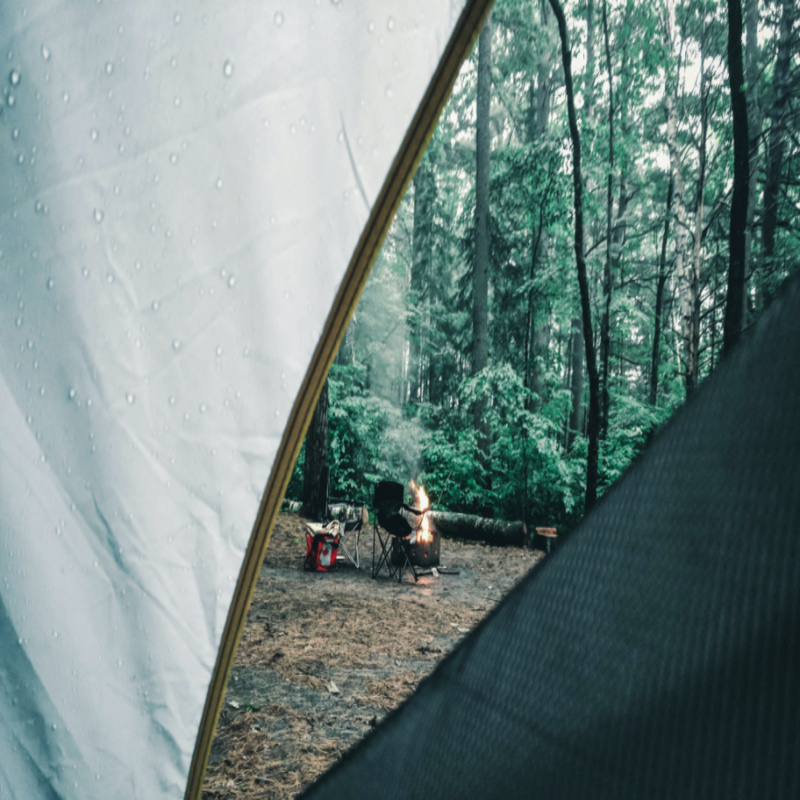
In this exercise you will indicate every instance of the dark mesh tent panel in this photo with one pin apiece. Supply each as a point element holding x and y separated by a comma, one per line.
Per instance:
<point>656,653</point>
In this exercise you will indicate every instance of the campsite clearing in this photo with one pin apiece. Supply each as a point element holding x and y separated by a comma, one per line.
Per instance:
<point>325,656</point>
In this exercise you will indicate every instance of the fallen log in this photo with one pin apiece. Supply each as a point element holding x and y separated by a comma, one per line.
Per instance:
<point>338,510</point>
<point>468,526</point>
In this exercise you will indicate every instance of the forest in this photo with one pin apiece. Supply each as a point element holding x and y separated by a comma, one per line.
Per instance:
<point>609,200</point>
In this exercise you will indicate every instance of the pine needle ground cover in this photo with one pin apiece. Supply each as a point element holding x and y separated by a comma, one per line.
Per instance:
<point>325,656</point>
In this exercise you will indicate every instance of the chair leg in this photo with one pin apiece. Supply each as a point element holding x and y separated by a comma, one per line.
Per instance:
<point>383,554</point>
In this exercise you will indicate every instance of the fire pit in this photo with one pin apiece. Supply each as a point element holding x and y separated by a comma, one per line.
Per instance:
<point>423,553</point>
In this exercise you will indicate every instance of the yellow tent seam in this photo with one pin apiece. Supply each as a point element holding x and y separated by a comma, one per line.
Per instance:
<point>411,151</point>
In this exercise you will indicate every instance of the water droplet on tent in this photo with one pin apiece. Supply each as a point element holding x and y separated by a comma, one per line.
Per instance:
<point>55,634</point>
<point>371,27</point>
<point>110,277</point>
<point>50,283</point>
<point>95,134</point>
<point>172,400</point>
<point>72,394</point>
<point>10,100</point>
<point>340,136</point>
<point>390,24</point>
<point>15,77</point>
<point>231,281</point>
<point>176,344</point>
<point>65,97</point>
<point>85,272</point>
<point>227,68</point>
<point>15,133</point>
<point>42,391</point>
<point>173,158</point>
<point>109,67</point>
<point>130,398</point>
<point>219,350</point>
<point>278,18</point>
<point>177,101</point>
<point>203,408</point>
<point>219,183</point>
<point>155,305</point>
<point>45,52</point>
<point>98,215</point>
<point>389,91</point>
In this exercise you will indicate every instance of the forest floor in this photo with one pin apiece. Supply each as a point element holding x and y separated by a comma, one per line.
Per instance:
<point>325,656</point>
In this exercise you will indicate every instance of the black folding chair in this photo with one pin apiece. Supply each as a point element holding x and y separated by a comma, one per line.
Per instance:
<point>392,533</point>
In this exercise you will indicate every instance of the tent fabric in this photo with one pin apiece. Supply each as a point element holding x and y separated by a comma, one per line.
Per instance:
<point>657,652</point>
<point>184,186</point>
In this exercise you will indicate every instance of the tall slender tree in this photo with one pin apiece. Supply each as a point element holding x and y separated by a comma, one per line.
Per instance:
<point>593,422</point>
<point>734,304</point>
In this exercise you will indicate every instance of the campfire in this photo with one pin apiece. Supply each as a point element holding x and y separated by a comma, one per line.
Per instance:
<point>424,541</point>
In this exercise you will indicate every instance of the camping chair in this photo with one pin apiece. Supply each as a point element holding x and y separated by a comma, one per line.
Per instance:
<point>392,533</point>
<point>352,518</point>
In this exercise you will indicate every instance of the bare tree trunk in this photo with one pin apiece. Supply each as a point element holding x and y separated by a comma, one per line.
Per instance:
<point>660,284</point>
<point>777,135</point>
<point>682,235</point>
<point>741,180</point>
<point>480,271</point>
<point>754,127</point>
<point>419,296</point>
<point>593,428</point>
<point>605,320</point>
<point>695,269</point>
<point>577,348</point>
<point>315,467</point>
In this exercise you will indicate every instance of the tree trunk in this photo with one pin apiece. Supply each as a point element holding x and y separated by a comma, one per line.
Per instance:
<point>418,297</point>
<point>480,270</point>
<point>753,126</point>
<point>468,526</point>
<point>697,246</point>
<point>734,303</point>
<point>605,320</point>
<point>593,432</point>
<point>315,468</point>
<point>777,135</point>
<point>577,348</point>
<point>660,284</point>
<point>678,195</point>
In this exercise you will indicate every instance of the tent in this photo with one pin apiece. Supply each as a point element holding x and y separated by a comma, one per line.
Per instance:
<point>192,196</point>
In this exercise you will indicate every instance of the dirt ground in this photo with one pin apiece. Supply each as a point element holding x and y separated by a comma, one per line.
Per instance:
<point>325,656</point>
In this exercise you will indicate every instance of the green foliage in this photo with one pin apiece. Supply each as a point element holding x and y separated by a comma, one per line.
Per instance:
<point>403,406</point>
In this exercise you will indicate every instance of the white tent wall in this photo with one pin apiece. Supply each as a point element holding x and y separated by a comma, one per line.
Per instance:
<point>183,188</point>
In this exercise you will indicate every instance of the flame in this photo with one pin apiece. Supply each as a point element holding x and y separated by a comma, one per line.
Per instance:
<point>424,532</point>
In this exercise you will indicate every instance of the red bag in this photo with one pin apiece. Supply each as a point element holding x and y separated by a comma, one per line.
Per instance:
<point>321,551</point>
